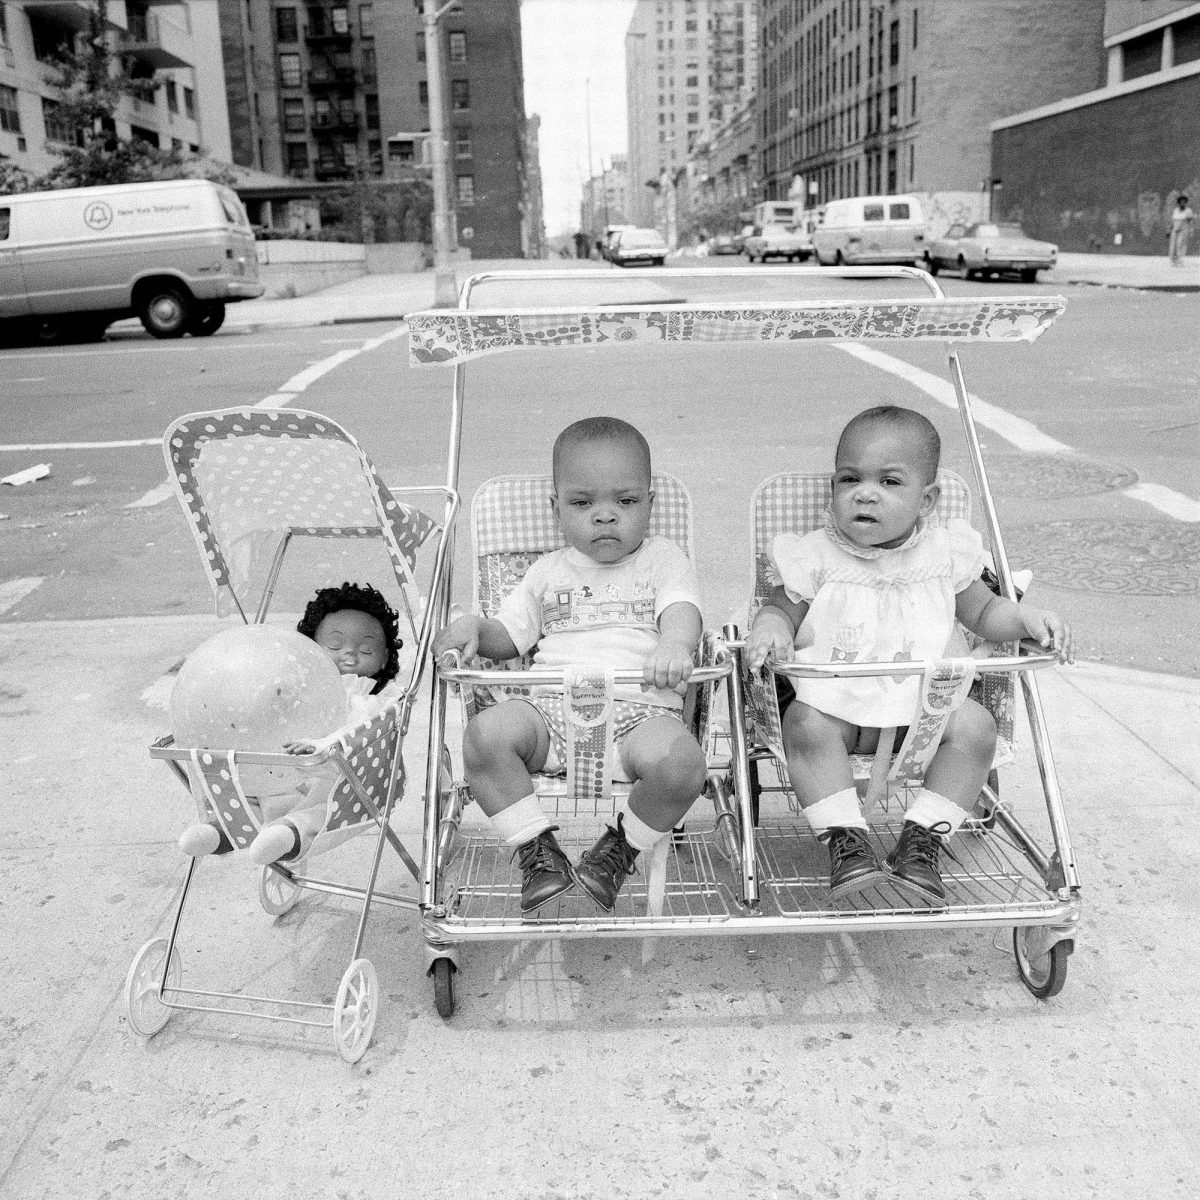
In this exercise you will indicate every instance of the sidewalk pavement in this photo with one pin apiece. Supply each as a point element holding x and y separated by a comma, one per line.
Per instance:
<point>884,1065</point>
<point>392,297</point>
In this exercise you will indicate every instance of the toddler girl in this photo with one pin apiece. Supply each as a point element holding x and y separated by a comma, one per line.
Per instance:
<point>359,630</point>
<point>879,583</point>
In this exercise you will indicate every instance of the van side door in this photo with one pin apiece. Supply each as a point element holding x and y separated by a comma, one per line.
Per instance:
<point>14,299</point>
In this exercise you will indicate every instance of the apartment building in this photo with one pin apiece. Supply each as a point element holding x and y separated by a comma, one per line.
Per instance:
<point>689,64</point>
<point>338,90</point>
<point>1102,170</point>
<point>176,44</point>
<point>605,199</point>
<point>867,96</point>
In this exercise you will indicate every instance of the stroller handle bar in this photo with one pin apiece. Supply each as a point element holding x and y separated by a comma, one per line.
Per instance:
<point>1034,657</point>
<point>549,677</point>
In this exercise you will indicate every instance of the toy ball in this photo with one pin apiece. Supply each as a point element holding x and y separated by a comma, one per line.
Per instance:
<point>256,687</point>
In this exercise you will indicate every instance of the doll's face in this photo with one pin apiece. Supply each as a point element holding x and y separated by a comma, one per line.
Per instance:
<point>355,641</point>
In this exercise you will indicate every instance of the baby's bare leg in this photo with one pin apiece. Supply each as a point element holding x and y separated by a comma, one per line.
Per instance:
<point>501,746</point>
<point>964,757</point>
<point>668,768</point>
<point>818,752</point>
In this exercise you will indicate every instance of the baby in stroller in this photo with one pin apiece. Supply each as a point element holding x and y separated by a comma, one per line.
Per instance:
<point>881,584</point>
<point>359,630</point>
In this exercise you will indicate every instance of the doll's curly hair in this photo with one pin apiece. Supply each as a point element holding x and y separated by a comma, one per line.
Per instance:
<point>363,599</point>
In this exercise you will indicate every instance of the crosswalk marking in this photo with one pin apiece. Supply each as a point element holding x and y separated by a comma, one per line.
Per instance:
<point>13,591</point>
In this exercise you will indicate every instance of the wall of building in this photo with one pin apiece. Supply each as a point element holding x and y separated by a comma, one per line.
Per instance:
<point>1118,165</point>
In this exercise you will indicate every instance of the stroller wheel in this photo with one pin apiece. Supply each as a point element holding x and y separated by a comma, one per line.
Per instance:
<point>355,1010</point>
<point>1043,971</point>
<point>144,1008</point>
<point>443,970</point>
<point>276,893</point>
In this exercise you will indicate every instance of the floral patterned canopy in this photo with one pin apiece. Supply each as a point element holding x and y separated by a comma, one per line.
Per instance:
<point>455,336</point>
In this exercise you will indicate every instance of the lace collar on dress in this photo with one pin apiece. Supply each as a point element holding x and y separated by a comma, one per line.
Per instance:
<point>843,543</point>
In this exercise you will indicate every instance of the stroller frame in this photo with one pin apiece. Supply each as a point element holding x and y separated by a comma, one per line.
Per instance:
<point>1016,883</point>
<point>153,987</point>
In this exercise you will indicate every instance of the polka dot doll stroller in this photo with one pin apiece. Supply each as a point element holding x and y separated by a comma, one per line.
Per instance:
<point>260,487</point>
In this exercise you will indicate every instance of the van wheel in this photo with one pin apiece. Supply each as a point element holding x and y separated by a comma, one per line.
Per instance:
<point>838,260</point>
<point>48,331</point>
<point>207,319</point>
<point>931,265</point>
<point>166,311</point>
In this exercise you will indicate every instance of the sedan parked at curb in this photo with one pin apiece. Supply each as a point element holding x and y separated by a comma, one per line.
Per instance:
<point>989,249</point>
<point>638,246</point>
<point>777,241</point>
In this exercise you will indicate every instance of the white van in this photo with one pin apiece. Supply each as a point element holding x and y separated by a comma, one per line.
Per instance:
<point>173,253</point>
<point>871,229</point>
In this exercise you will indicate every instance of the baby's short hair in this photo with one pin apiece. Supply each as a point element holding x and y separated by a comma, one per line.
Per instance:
<point>909,421</point>
<point>361,598</point>
<point>599,429</point>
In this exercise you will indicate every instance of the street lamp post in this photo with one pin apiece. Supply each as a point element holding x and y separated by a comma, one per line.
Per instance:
<point>445,287</point>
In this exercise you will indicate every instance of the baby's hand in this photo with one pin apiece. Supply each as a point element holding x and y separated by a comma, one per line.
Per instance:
<point>299,748</point>
<point>764,640</point>
<point>1049,630</point>
<point>462,635</point>
<point>668,665</point>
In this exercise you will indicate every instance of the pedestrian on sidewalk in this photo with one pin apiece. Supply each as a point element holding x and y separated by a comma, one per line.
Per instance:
<point>1182,220</point>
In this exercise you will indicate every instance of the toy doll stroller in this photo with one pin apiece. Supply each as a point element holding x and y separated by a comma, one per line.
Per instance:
<point>256,483</point>
<point>756,875</point>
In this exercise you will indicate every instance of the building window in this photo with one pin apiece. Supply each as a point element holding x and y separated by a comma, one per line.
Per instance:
<point>372,104</point>
<point>465,189</point>
<point>462,141</point>
<point>894,43</point>
<point>458,47</point>
<point>370,72</point>
<point>912,162</point>
<point>420,47</point>
<point>141,133</point>
<point>893,105</point>
<point>286,28</point>
<point>375,155</point>
<point>293,116</point>
<point>340,20</point>
<point>3,26</point>
<point>57,130</point>
<point>172,90</point>
<point>913,97</point>
<point>891,170</point>
<point>400,151</point>
<point>5,219</point>
<point>366,20</point>
<point>460,94</point>
<point>916,16</point>
<point>10,113</point>
<point>289,70</point>
<point>423,93</point>
<point>189,102</point>
<point>297,158</point>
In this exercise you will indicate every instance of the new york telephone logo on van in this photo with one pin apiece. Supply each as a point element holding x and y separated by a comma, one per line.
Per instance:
<point>97,215</point>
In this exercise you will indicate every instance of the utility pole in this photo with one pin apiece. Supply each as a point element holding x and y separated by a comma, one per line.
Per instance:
<point>445,286</point>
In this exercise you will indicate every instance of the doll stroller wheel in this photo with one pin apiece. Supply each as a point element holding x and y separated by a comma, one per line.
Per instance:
<point>276,893</point>
<point>146,1012</point>
<point>1043,971</point>
<point>443,986</point>
<point>355,1010</point>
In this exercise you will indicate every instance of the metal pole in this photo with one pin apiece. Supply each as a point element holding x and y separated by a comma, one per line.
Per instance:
<point>445,287</point>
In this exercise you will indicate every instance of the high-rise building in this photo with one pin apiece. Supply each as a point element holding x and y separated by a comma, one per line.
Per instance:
<point>688,65</point>
<point>174,44</point>
<point>337,90</point>
<point>867,96</point>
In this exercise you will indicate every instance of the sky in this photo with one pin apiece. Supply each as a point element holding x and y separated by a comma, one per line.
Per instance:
<point>574,63</point>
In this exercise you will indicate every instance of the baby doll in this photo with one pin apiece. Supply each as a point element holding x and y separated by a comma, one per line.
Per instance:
<point>359,630</point>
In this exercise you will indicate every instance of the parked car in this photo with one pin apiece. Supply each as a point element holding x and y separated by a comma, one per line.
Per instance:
<point>989,249</point>
<point>723,243</point>
<point>639,246</point>
<point>739,238</point>
<point>610,238</point>
<point>869,230</point>
<point>777,241</point>
<point>172,253</point>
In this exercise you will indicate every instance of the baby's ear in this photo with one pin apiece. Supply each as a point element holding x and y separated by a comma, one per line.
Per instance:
<point>650,494</point>
<point>929,498</point>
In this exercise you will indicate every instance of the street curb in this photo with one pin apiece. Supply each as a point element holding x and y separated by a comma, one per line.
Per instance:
<point>1180,288</point>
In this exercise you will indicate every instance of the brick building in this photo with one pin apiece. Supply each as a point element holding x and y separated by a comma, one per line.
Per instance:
<point>870,96</point>
<point>337,91</point>
<point>1102,170</point>
<point>688,65</point>
<point>177,45</point>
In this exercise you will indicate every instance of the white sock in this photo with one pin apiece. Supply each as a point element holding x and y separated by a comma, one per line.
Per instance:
<point>638,834</point>
<point>199,839</point>
<point>839,811</point>
<point>936,812</point>
<point>521,822</point>
<point>273,842</point>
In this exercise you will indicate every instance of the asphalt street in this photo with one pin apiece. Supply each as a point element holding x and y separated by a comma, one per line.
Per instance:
<point>1113,382</point>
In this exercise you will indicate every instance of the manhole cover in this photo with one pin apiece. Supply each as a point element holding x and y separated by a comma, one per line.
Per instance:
<point>1054,475</point>
<point>1101,556</point>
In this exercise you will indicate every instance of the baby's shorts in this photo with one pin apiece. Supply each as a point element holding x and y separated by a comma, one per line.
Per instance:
<point>627,716</point>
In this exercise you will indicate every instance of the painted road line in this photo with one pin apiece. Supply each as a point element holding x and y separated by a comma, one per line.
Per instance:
<point>157,348</point>
<point>83,445</point>
<point>287,394</point>
<point>13,591</point>
<point>1025,435</point>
